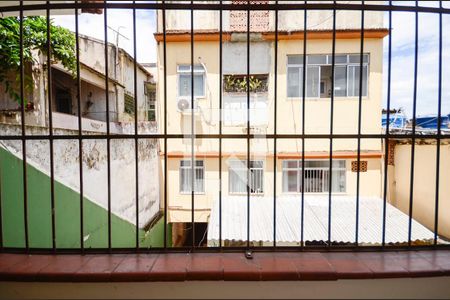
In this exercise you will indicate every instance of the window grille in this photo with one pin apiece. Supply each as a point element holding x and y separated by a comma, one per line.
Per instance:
<point>349,78</point>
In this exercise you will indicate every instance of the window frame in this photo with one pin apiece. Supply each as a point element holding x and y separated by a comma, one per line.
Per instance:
<point>242,164</point>
<point>189,73</point>
<point>182,169</point>
<point>328,60</point>
<point>299,170</point>
<point>129,104</point>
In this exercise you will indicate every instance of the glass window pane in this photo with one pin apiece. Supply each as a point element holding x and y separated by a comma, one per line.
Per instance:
<point>291,182</point>
<point>338,181</point>
<point>312,81</point>
<point>354,81</point>
<point>199,87</point>
<point>184,163</point>
<point>339,59</point>
<point>295,81</point>
<point>184,85</point>
<point>365,83</point>
<point>356,58</point>
<point>340,85</point>
<point>317,59</point>
<point>184,68</point>
<point>295,59</point>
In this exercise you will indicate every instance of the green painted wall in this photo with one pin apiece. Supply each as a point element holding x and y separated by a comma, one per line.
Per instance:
<point>67,214</point>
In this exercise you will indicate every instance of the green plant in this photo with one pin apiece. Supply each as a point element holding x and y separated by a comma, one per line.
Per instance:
<point>62,46</point>
<point>255,84</point>
<point>238,83</point>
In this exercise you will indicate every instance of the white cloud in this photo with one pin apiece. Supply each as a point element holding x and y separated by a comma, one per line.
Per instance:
<point>403,47</point>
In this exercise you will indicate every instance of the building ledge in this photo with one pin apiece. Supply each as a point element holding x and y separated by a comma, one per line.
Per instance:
<point>271,266</point>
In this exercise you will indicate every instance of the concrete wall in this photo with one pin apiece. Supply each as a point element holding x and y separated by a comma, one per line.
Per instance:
<point>410,288</point>
<point>66,158</point>
<point>424,184</point>
<point>92,58</point>
<point>288,20</point>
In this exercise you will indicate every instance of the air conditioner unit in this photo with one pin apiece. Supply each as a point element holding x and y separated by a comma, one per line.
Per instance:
<point>184,105</point>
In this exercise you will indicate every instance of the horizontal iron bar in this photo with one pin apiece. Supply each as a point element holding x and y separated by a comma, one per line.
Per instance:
<point>158,250</point>
<point>216,6</point>
<point>225,136</point>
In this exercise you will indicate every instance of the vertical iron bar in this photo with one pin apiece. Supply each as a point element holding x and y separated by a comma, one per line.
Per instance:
<point>248,124</point>
<point>220,121</point>
<point>108,140</point>
<point>305,27</point>
<point>136,114</point>
<point>1,212</point>
<point>330,185</point>
<point>275,98</point>
<point>80,138</point>
<point>413,142</point>
<point>438,139</point>
<point>388,116</point>
<point>50,123</point>
<point>358,174</point>
<point>165,120</point>
<point>24,144</point>
<point>192,130</point>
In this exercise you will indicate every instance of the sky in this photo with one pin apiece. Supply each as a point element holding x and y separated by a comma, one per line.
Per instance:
<point>119,20</point>
<point>403,54</point>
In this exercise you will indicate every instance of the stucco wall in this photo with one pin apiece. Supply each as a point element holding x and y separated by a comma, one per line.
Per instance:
<point>288,20</point>
<point>424,184</point>
<point>289,110</point>
<point>95,170</point>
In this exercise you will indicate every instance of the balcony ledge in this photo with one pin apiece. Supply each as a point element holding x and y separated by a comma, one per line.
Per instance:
<point>265,266</point>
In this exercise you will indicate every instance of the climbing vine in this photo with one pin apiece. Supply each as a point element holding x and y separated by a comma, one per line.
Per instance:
<point>34,39</point>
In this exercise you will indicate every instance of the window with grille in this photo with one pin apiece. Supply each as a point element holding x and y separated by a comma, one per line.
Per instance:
<point>186,176</point>
<point>319,74</point>
<point>316,176</point>
<point>129,104</point>
<point>238,177</point>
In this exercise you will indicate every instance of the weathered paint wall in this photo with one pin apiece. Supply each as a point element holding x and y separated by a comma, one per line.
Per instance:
<point>67,214</point>
<point>424,184</point>
<point>288,20</point>
<point>66,158</point>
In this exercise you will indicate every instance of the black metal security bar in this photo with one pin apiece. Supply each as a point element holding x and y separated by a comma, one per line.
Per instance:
<point>136,114</point>
<point>358,162</point>
<point>333,66</point>
<point>305,38</point>
<point>50,126</point>
<point>364,7</point>
<point>413,138</point>
<point>388,115</point>
<point>80,132</point>
<point>438,141</point>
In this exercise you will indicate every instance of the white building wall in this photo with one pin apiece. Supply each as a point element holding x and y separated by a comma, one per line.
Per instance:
<point>66,159</point>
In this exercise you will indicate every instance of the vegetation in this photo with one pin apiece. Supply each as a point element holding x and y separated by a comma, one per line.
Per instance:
<point>34,39</point>
<point>238,84</point>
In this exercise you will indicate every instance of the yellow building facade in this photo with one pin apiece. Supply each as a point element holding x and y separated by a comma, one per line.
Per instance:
<point>220,110</point>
